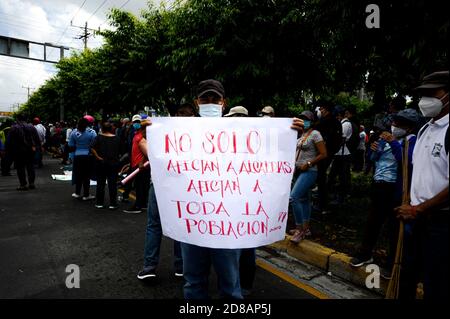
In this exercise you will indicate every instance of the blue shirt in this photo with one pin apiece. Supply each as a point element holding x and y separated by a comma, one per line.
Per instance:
<point>82,141</point>
<point>385,163</point>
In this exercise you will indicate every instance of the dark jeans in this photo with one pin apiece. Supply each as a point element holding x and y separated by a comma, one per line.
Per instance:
<point>25,162</point>
<point>322,186</point>
<point>358,160</point>
<point>435,285</point>
<point>247,267</point>
<point>196,266</point>
<point>106,172</point>
<point>412,262</point>
<point>154,235</point>
<point>341,169</point>
<point>142,184</point>
<point>381,211</point>
<point>82,171</point>
<point>38,158</point>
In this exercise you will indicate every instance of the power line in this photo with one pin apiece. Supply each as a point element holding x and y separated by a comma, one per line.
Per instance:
<point>65,30</point>
<point>79,8</point>
<point>97,10</point>
<point>123,5</point>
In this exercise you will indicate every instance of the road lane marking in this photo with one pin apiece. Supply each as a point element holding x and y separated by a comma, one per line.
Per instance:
<point>277,272</point>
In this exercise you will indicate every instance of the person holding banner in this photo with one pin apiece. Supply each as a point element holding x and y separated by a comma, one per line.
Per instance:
<point>138,158</point>
<point>197,260</point>
<point>310,151</point>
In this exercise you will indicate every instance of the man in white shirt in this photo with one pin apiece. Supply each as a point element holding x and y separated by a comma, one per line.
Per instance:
<point>342,159</point>
<point>41,133</point>
<point>430,183</point>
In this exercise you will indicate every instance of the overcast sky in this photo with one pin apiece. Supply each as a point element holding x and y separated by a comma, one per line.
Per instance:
<point>48,21</point>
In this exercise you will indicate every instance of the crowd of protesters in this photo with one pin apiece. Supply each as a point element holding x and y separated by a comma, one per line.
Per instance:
<point>331,144</point>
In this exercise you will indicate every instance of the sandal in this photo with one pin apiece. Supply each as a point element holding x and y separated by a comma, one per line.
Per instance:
<point>298,237</point>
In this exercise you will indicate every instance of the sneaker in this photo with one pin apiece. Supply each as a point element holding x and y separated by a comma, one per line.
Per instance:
<point>178,273</point>
<point>298,237</point>
<point>99,206</point>
<point>22,188</point>
<point>90,197</point>
<point>144,274</point>
<point>133,210</point>
<point>75,195</point>
<point>359,261</point>
<point>113,207</point>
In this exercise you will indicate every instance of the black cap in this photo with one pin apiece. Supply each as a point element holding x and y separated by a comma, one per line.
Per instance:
<point>210,86</point>
<point>434,81</point>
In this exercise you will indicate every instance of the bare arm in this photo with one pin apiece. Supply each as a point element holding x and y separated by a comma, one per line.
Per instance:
<point>96,154</point>
<point>411,212</point>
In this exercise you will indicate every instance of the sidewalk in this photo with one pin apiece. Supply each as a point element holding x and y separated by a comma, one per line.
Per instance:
<point>332,262</point>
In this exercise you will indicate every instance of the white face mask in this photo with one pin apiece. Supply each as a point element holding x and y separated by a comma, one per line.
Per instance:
<point>431,106</point>
<point>210,110</point>
<point>398,132</point>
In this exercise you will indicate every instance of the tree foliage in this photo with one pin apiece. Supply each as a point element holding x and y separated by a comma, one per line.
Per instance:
<point>279,52</point>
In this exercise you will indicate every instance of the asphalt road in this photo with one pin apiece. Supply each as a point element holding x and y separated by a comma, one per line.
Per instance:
<point>44,230</point>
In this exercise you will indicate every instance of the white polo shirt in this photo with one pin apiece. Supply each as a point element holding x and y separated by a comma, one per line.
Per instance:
<point>430,162</point>
<point>347,131</point>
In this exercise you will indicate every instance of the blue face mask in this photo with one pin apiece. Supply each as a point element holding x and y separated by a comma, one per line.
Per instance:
<point>306,124</point>
<point>137,126</point>
<point>210,110</point>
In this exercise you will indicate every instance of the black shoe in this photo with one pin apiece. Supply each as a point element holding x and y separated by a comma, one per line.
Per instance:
<point>359,261</point>
<point>113,207</point>
<point>178,273</point>
<point>22,188</point>
<point>145,274</point>
<point>133,210</point>
<point>31,186</point>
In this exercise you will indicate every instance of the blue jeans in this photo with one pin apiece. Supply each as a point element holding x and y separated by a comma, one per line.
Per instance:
<point>300,196</point>
<point>247,267</point>
<point>196,265</point>
<point>154,236</point>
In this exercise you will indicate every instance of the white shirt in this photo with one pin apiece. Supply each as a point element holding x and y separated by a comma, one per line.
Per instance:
<point>41,132</point>
<point>346,133</point>
<point>430,162</point>
<point>68,132</point>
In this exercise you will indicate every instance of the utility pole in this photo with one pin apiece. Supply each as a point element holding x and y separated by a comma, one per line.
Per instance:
<point>28,89</point>
<point>86,34</point>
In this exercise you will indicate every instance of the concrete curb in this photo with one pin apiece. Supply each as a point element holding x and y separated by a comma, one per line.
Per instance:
<point>329,260</point>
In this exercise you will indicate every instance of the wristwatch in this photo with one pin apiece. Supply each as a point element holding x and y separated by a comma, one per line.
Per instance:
<point>309,164</point>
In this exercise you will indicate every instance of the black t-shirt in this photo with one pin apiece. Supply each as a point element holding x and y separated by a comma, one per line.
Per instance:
<point>331,131</point>
<point>107,147</point>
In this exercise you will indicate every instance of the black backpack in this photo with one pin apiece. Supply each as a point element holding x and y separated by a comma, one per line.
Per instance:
<point>353,142</point>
